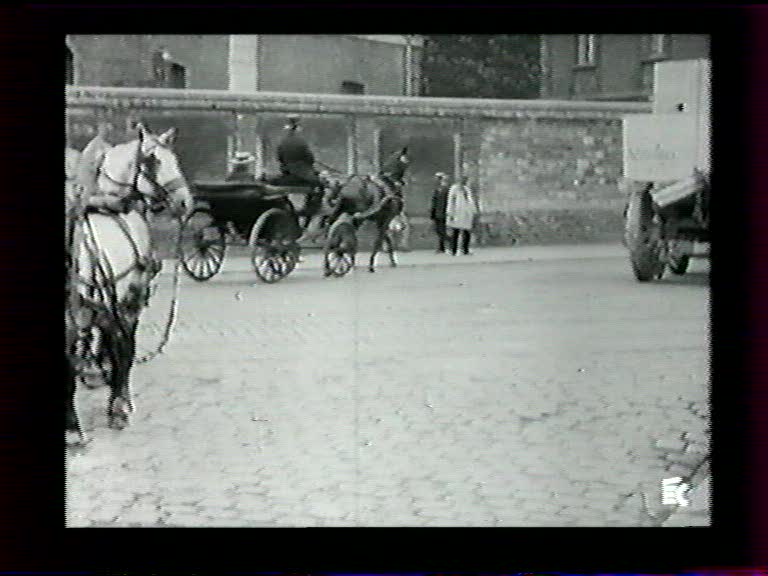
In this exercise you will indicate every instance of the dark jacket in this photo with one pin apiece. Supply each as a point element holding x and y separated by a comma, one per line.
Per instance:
<point>439,203</point>
<point>296,160</point>
<point>394,168</point>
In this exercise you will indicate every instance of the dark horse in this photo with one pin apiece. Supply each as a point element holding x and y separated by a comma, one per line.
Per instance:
<point>371,201</point>
<point>109,267</point>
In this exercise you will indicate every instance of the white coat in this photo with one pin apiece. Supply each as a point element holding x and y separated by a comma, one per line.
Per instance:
<point>461,207</point>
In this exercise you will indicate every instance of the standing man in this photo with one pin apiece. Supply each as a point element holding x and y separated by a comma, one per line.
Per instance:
<point>438,209</point>
<point>460,214</point>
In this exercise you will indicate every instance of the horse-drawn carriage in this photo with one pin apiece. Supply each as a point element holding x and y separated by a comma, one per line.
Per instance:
<point>265,218</point>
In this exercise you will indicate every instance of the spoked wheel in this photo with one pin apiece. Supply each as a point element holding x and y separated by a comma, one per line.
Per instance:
<point>274,251</point>
<point>203,244</point>
<point>340,249</point>
<point>643,238</point>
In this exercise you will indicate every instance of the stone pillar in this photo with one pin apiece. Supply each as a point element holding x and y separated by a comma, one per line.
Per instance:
<point>458,168</point>
<point>544,66</point>
<point>471,159</point>
<point>351,145</point>
<point>243,62</point>
<point>366,144</point>
<point>377,149</point>
<point>258,151</point>
<point>249,138</point>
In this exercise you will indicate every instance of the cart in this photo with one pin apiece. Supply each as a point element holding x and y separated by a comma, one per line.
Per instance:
<point>666,166</point>
<point>263,217</point>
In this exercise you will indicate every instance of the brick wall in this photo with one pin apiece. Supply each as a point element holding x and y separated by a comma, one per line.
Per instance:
<point>126,59</point>
<point>285,64</point>
<point>268,62</point>
<point>619,65</point>
<point>545,171</point>
<point>549,163</point>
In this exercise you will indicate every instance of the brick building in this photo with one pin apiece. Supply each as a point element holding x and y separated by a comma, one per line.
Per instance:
<point>610,66</point>
<point>310,63</point>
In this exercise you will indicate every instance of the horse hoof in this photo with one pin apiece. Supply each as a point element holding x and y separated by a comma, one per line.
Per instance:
<point>92,381</point>
<point>76,439</point>
<point>118,421</point>
<point>371,270</point>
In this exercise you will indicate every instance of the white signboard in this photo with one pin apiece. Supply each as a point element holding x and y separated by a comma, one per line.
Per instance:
<point>660,147</point>
<point>703,152</point>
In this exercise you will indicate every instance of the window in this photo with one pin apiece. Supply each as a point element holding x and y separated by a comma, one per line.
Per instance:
<point>69,66</point>
<point>348,87</point>
<point>177,77</point>
<point>585,49</point>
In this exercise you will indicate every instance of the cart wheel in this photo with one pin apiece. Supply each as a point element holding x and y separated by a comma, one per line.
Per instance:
<point>274,252</point>
<point>340,249</point>
<point>291,257</point>
<point>643,238</point>
<point>203,244</point>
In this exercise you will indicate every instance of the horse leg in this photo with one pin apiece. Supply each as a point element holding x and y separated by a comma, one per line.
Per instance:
<point>390,248</point>
<point>74,434</point>
<point>376,247</point>
<point>123,350</point>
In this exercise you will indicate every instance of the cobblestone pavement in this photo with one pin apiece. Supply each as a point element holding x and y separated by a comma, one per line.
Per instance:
<point>528,393</point>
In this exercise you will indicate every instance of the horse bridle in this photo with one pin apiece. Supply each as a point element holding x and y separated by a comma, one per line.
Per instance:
<point>136,194</point>
<point>141,161</point>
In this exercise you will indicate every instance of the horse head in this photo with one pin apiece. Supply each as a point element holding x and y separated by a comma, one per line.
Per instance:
<point>148,165</point>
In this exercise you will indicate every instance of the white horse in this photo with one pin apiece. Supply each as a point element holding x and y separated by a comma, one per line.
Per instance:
<point>111,264</point>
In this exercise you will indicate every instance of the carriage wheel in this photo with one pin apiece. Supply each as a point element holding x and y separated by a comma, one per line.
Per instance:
<point>274,252</point>
<point>203,244</point>
<point>340,249</point>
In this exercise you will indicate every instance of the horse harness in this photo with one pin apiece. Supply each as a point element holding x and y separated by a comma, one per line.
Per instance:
<point>117,206</point>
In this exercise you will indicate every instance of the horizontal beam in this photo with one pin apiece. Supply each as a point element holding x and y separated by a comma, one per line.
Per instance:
<point>223,100</point>
<point>415,40</point>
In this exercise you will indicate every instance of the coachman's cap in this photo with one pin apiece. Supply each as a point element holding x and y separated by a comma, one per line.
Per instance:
<point>292,122</point>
